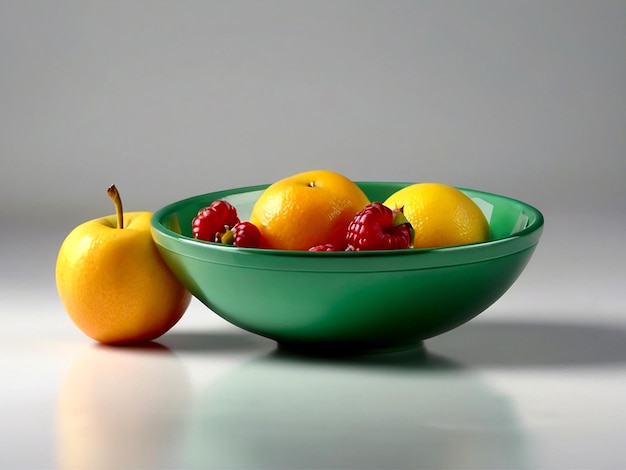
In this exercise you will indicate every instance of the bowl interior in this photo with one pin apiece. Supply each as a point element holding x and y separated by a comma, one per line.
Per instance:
<point>506,216</point>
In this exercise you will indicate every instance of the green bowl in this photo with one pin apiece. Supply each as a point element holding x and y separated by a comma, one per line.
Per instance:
<point>348,302</point>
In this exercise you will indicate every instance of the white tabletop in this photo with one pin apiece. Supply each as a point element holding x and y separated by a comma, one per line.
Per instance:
<point>536,381</point>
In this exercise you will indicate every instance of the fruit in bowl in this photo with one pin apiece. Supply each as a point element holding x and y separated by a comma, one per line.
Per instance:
<point>307,209</point>
<point>325,211</point>
<point>348,301</point>
<point>440,215</point>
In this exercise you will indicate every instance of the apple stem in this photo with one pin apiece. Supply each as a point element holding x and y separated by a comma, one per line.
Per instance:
<point>117,200</point>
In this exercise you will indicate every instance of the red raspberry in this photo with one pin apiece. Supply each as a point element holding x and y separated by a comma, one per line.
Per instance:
<point>212,219</point>
<point>326,247</point>
<point>377,227</point>
<point>243,234</point>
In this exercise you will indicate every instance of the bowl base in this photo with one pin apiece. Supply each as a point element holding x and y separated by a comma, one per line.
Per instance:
<point>342,350</point>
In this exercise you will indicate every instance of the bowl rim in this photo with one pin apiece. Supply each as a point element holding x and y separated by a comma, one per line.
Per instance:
<point>531,233</point>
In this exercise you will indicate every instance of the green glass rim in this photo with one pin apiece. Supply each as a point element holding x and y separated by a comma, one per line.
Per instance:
<point>520,240</point>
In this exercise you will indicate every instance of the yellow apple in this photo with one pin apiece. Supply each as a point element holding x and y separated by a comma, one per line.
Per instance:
<point>113,282</point>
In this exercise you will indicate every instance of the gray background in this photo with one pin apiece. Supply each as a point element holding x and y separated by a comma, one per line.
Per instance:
<point>169,99</point>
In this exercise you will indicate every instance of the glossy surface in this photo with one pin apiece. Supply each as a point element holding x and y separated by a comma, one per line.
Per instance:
<point>349,302</point>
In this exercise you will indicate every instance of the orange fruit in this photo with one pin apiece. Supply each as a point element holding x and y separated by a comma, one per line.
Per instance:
<point>307,209</point>
<point>440,214</point>
<point>114,284</point>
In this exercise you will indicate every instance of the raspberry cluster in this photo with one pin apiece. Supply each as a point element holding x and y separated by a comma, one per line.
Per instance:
<point>375,227</point>
<point>220,223</point>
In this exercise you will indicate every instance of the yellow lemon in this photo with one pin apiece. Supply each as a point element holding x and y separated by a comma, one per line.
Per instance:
<point>441,215</point>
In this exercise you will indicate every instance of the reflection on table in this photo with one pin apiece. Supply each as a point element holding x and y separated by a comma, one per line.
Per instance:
<point>123,408</point>
<point>390,411</point>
